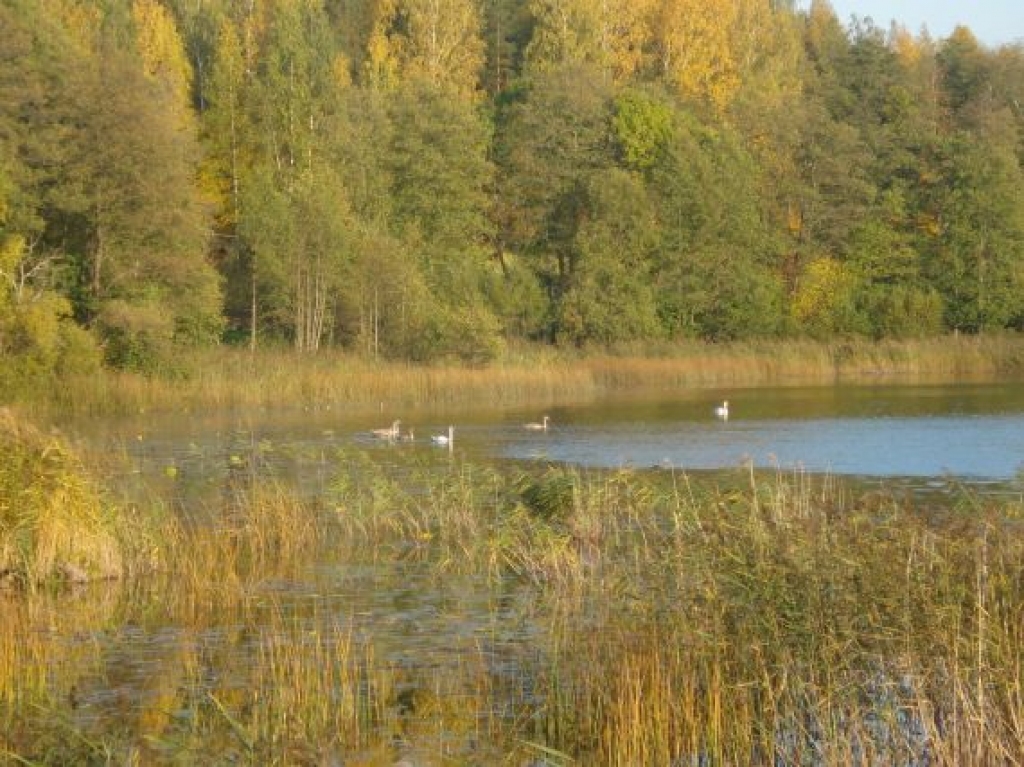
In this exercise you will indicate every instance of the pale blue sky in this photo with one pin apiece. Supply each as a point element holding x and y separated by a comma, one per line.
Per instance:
<point>994,22</point>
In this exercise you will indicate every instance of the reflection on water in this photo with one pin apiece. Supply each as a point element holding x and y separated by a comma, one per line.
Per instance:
<point>401,616</point>
<point>971,432</point>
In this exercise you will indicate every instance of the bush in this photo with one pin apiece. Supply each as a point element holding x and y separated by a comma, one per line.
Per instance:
<point>137,337</point>
<point>40,342</point>
<point>470,334</point>
<point>79,353</point>
<point>551,497</point>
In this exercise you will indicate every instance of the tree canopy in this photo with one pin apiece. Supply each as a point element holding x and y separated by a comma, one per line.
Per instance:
<point>431,178</point>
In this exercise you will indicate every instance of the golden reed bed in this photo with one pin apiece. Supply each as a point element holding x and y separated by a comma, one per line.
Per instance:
<point>230,378</point>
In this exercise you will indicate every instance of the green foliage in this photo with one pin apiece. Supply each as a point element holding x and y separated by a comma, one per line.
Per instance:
<point>440,174</point>
<point>976,261</point>
<point>549,138</point>
<point>301,246</point>
<point>889,297</point>
<point>712,264</point>
<point>138,336</point>
<point>332,174</point>
<point>963,64</point>
<point>606,294</point>
<point>469,334</point>
<point>901,311</point>
<point>643,127</point>
<point>517,298</point>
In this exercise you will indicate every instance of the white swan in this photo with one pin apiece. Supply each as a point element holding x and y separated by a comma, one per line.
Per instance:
<point>389,433</point>
<point>444,439</point>
<point>542,426</point>
<point>722,411</point>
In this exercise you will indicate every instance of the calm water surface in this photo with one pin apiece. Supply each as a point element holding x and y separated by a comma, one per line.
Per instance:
<point>973,432</point>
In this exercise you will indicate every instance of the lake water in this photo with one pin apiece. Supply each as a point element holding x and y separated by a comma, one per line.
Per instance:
<point>970,432</point>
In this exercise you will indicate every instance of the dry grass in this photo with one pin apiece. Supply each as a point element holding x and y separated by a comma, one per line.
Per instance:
<point>785,623</point>
<point>227,379</point>
<point>54,521</point>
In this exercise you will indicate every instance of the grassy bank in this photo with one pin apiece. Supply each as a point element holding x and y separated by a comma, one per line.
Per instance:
<point>755,619</point>
<point>228,378</point>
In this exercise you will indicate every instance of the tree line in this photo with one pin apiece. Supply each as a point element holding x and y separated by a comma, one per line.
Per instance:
<point>424,179</point>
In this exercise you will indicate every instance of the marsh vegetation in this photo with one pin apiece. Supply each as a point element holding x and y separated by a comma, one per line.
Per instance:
<point>226,379</point>
<point>448,611</point>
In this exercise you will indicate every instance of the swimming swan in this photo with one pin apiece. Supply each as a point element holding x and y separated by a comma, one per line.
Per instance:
<point>444,439</point>
<point>722,411</point>
<point>391,433</point>
<point>542,426</point>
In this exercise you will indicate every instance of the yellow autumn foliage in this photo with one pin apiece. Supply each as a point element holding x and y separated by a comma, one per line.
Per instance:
<point>82,19</point>
<point>694,44</point>
<point>381,63</point>
<point>38,338</point>
<point>439,41</point>
<point>908,49</point>
<point>612,34</point>
<point>822,294</point>
<point>163,55</point>
<point>443,43</point>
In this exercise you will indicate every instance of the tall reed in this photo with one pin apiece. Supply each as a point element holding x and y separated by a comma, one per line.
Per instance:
<point>54,520</point>
<point>807,632</point>
<point>751,618</point>
<point>227,378</point>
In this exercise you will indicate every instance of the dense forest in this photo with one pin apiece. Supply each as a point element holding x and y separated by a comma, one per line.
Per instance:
<point>425,179</point>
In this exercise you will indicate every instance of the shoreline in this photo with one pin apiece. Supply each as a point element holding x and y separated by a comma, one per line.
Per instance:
<point>230,379</point>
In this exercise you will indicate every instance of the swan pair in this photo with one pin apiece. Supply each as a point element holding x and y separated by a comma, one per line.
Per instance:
<point>449,438</point>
